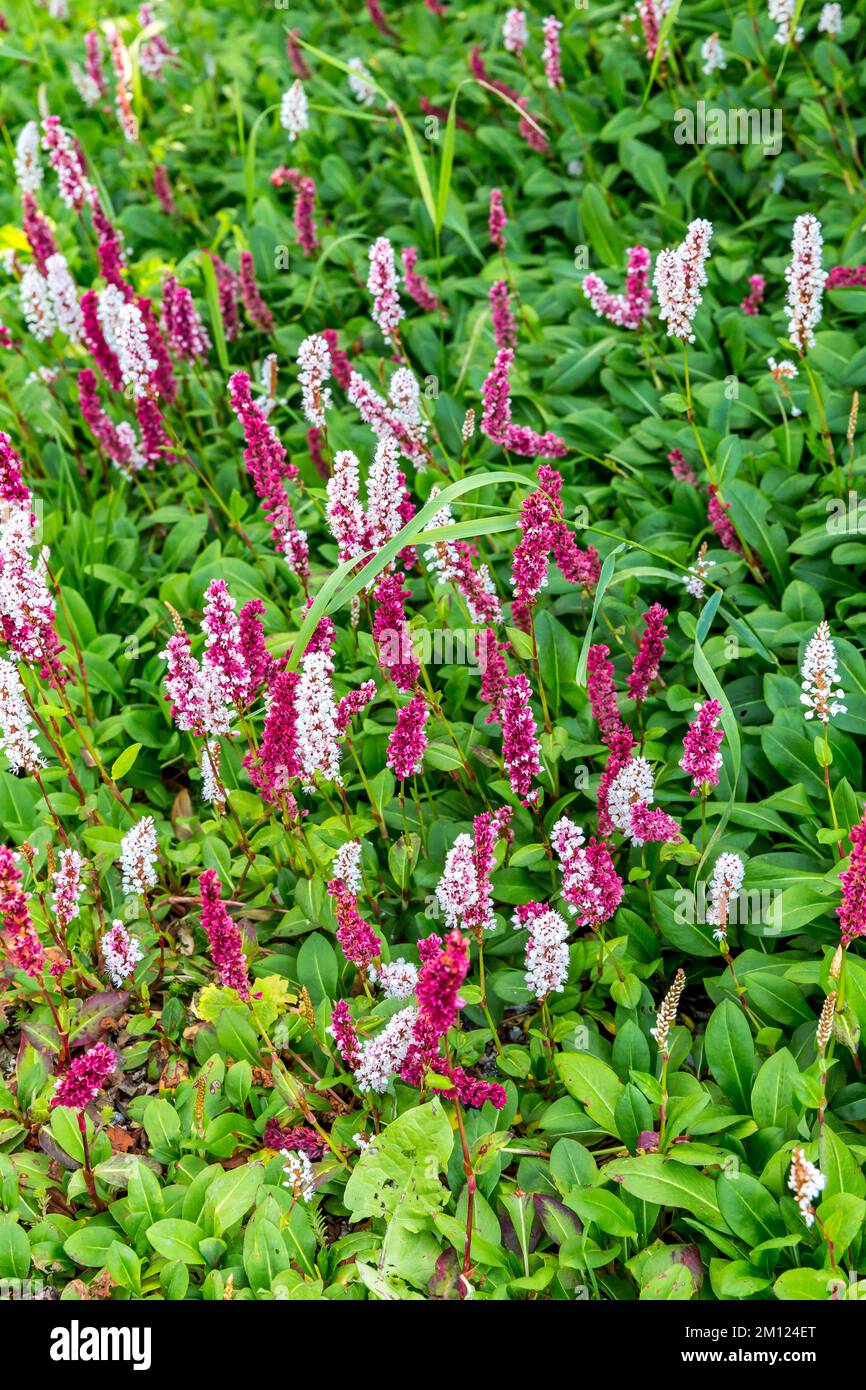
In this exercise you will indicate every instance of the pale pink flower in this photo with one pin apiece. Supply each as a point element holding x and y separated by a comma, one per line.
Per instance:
<point>679,277</point>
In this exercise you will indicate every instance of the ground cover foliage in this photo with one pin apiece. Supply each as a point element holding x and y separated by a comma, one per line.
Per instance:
<point>432,680</point>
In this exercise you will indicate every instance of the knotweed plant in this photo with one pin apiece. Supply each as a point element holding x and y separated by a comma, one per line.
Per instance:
<point>432,684</point>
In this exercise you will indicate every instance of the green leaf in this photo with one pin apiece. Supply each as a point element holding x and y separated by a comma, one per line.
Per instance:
<point>236,1034</point>
<point>177,1240</point>
<point>90,1246</point>
<point>230,1196</point>
<point>122,765</point>
<point>400,1175</point>
<point>669,1184</point>
<point>730,1053</point>
<point>748,1208</point>
<point>608,1212</point>
<point>594,1084</point>
<point>14,1249</point>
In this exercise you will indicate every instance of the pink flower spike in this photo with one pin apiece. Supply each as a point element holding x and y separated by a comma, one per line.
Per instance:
<point>504,326</point>
<point>717,515</point>
<point>497,221</point>
<point>520,747</point>
<point>755,298</point>
<point>358,942</point>
<point>408,741</point>
<point>701,756</point>
<point>550,55</point>
<point>258,313</point>
<point>630,310</point>
<point>852,912</point>
<point>342,1030</point>
<point>417,286</point>
<point>382,284</point>
<point>85,1078</point>
<point>650,653</point>
<point>23,941</point>
<point>681,470</point>
<point>224,936</point>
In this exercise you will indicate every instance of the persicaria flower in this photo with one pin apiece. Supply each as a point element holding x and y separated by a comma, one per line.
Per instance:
<point>361,83</point>
<point>342,1030</point>
<point>701,756</point>
<point>652,648</point>
<point>681,470</point>
<point>806,1182</point>
<point>37,305</point>
<point>346,867</point>
<point>629,310</point>
<point>679,278</point>
<point>520,747</point>
<point>408,741</point>
<point>417,286</point>
<point>316,720</point>
<point>357,940</point>
<point>398,978</point>
<point>38,233</point>
<point>278,760</point>
<point>68,887</point>
<point>820,675</point>
<point>725,884</point>
<point>122,64</point>
<point>73,185</point>
<point>651,14</point>
<point>852,911</point>
<point>382,284</point>
<point>667,1014</point>
<point>504,326</point>
<point>133,351</point>
<point>314,368</point>
<point>464,890</point>
<point>138,857</point>
<point>439,981</point>
<point>224,935</point>
<point>223,653</point>
<point>718,517</point>
<point>497,221</point>
<point>546,949</point>
<point>806,280</point>
<point>830,20</point>
<point>351,704</point>
<point>782,12</point>
<point>713,56</point>
<point>85,1077</point>
<point>17,731</point>
<point>628,800</point>
<point>22,938</point>
<point>496,420</point>
<point>590,885</point>
<point>258,313</point>
<point>697,573</point>
<point>515,32</point>
<point>550,52</point>
<point>294,117</point>
<point>300,1178</point>
<point>755,298</point>
<point>28,170</point>
<point>186,334</point>
<point>384,1055</point>
<point>300,1138</point>
<point>64,298</point>
<point>196,693</point>
<point>120,952</point>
